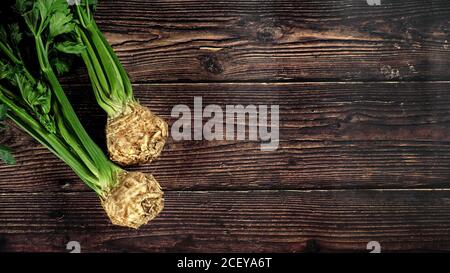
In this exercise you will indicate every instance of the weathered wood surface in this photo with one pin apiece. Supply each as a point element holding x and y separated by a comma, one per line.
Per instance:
<point>195,40</point>
<point>237,221</point>
<point>332,135</point>
<point>364,136</point>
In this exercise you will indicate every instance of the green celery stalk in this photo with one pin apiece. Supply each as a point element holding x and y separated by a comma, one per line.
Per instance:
<point>37,103</point>
<point>134,134</point>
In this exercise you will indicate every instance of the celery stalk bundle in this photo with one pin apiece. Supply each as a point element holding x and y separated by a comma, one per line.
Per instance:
<point>134,134</point>
<point>37,103</point>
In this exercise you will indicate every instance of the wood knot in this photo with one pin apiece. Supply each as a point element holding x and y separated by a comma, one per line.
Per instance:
<point>269,34</point>
<point>390,73</point>
<point>312,246</point>
<point>211,63</point>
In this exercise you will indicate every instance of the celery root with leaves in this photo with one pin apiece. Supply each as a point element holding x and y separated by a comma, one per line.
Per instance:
<point>134,134</point>
<point>36,102</point>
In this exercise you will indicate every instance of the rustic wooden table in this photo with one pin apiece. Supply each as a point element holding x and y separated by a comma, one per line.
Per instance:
<point>364,136</point>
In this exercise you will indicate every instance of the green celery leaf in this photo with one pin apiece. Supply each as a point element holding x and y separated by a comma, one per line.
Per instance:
<point>3,111</point>
<point>44,101</point>
<point>44,7</point>
<point>4,72</point>
<point>22,6</point>
<point>5,153</point>
<point>3,34</point>
<point>61,23</point>
<point>16,35</point>
<point>61,66</point>
<point>70,47</point>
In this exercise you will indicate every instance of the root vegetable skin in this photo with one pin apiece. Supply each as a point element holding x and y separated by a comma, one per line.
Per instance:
<point>137,136</point>
<point>134,134</point>
<point>37,103</point>
<point>135,200</point>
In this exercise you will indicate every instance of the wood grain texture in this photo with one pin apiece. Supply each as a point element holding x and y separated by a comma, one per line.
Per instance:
<point>364,136</point>
<point>332,136</point>
<point>279,40</point>
<point>255,221</point>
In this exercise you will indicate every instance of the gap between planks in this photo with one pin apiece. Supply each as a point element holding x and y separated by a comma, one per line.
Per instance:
<point>249,83</point>
<point>244,191</point>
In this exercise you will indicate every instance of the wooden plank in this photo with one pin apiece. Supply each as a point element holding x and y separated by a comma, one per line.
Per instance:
<point>255,221</point>
<point>285,40</point>
<point>332,136</point>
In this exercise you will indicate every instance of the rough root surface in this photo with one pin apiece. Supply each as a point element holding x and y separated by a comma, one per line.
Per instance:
<point>135,137</point>
<point>135,200</point>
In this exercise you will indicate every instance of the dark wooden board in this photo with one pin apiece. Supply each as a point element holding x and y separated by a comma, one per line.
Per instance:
<point>332,136</point>
<point>364,137</point>
<point>283,40</point>
<point>255,221</point>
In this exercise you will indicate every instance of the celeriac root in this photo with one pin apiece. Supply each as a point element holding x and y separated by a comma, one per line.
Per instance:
<point>136,136</point>
<point>136,199</point>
